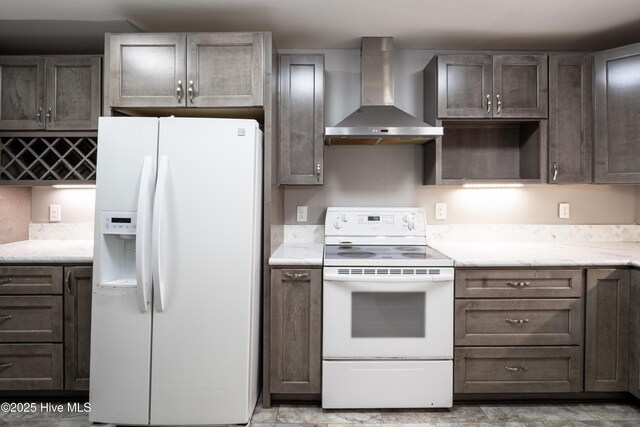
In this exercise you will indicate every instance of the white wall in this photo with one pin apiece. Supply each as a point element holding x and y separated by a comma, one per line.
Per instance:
<point>392,176</point>
<point>77,204</point>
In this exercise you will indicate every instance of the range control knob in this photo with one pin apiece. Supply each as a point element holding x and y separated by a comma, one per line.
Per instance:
<point>405,218</point>
<point>344,218</point>
<point>337,224</point>
<point>411,224</point>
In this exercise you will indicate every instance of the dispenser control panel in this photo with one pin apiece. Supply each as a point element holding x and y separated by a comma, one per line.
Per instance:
<point>119,223</point>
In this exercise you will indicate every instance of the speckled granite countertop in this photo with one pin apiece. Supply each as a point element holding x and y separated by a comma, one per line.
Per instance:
<point>551,254</point>
<point>47,251</point>
<point>297,253</point>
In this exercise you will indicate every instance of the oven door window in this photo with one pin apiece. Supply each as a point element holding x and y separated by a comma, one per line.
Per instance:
<point>388,314</point>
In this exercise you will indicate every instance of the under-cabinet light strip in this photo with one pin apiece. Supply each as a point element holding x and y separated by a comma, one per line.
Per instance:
<point>492,185</point>
<point>74,186</point>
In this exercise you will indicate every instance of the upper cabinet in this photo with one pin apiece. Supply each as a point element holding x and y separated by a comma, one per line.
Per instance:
<point>617,113</point>
<point>301,118</point>
<point>185,70</point>
<point>570,114</point>
<point>49,93</point>
<point>491,86</point>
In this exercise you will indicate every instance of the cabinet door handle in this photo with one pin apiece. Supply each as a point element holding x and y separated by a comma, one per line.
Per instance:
<point>6,280</point>
<point>516,321</point>
<point>318,171</point>
<point>6,365</point>
<point>499,104</point>
<point>191,91</point>
<point>6,317</point>
<point>67,281</point>
<point>555,171</point>
<point>39,116</point>
<point>179,91</point>
<point>49,114</point>
<point>516,368</point>
<point>488,104</point>
<point>518,284</point>
<point>290,275</point>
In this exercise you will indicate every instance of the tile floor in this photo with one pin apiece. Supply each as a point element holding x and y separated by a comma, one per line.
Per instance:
<point>462,415</point>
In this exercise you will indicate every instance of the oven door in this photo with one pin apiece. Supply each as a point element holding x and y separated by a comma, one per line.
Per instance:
<point>402,316</point>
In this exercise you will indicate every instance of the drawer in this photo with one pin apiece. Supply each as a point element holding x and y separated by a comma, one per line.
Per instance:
<point>519,283</point>
<point>518,322</point>
<point>517,370</point>
<point>31,319</point>
<point>30,366</point>
<point>27,280</point>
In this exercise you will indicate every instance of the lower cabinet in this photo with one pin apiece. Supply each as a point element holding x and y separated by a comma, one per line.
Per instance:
<point>607,330</point>
<point>634,334</point>
<point>77,327</point>
<point>45,318</point>
<point>296,331</point>
<point>518,331</point>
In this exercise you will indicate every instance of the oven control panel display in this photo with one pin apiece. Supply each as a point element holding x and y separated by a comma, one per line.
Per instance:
<point>375,219</point>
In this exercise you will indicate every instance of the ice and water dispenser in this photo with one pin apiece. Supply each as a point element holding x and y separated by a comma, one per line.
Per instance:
<point>118,251</point>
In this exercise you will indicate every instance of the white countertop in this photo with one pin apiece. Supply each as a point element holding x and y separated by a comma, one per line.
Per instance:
<point>298,253</point>
<point>47,251</point>
<point>551,254</point>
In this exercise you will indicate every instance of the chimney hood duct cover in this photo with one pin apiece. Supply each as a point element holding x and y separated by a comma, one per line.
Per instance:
<point>378,121</point>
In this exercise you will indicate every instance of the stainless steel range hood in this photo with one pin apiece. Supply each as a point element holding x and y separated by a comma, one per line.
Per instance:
<point>378,121</point>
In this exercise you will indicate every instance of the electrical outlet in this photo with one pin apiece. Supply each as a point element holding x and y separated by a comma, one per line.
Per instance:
<point>301,213</point>
<point>55,213</point>
<point>563,210</point>
<point>441,211</point>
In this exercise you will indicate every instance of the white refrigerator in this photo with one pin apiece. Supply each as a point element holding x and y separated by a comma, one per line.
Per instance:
<point>176,278</point>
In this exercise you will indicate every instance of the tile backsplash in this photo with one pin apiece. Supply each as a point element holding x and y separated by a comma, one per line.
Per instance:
<point>60,231</point>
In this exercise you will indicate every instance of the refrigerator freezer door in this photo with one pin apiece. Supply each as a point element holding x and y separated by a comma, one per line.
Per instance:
<point>205,340</point>
<point>120,331</point>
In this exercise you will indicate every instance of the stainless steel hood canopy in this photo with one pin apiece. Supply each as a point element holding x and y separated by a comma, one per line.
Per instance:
<point>378,121</point>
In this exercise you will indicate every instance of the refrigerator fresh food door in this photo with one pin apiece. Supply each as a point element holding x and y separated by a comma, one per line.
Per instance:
<point>121,308</point>
<point>205,332</point>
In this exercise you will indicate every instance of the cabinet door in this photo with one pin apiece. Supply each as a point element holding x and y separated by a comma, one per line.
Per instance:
<point>570,86</point>
<point>225,70</point>
<point>73,92</point>
<point>22,92</point>
<point>77,327</point>
<point>634,334</point>
<point>617,128</point>
<point>296,322</point>
<point>147,70</point>
<point>607,330</point>
<point>465,86</point>
<point>301,119</point>
<point>520,86</point>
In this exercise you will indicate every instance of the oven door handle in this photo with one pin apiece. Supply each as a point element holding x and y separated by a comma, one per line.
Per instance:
<point>387,278</point>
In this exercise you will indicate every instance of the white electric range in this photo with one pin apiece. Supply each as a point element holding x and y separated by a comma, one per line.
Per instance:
<point>387,312</point>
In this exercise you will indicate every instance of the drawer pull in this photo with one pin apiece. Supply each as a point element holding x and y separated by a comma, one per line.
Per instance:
<point>5,317</point>
<point>6,365</point>
<point>518,284</point>
<point>516,321</point>
<point>516,368</point>
<point>296,275</point>
<point>5,280</point>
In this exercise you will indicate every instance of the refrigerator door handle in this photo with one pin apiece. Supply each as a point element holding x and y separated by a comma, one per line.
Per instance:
<point>143,264</point>
<point>158,204</point>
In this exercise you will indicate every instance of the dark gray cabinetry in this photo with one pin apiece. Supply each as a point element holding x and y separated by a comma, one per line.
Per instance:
<point>296,325</point>
<point>634,334</point>
<point>52,93</point>
<point>617,113</point>
<point>491,86</point>
<point>518,331</point>
<point>185,70</point>
<point>570,118</point>
<point>301,119</point>
<point>77,327</point>
<point>607,330</point>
